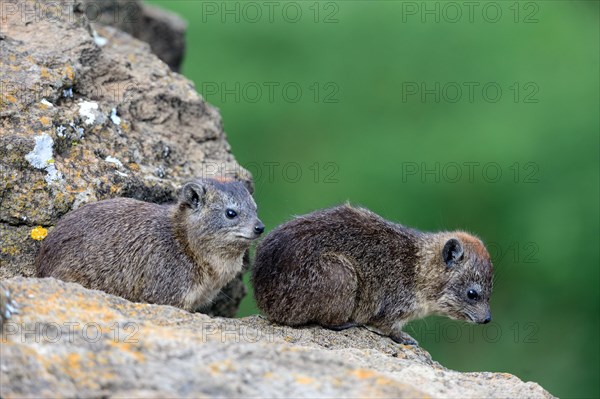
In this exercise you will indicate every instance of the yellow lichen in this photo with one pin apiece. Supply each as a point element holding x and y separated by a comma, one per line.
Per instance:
<point>12,250</point>
<point>73,361</point>
<point>39,233</point>
<point>304,380</point>
<point>363,373</point>
<point>69,73</point>
<point>221,367</point>
<point>45,73</point>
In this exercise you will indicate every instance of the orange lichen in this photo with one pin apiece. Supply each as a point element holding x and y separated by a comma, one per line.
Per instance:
<point>45,121</point>
<point>73,361</point>
<point>384,381</point>
<point>69,73</point>
<point>363,374</point>
<point>134,166</point>
<point>132,349</point>
<point>221,366</point>
<point>39,233</point>
<point>45,74</point>
<point>304,380</point>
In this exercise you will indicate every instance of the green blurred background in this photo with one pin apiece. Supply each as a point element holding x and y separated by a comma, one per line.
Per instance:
<point>380,121</point>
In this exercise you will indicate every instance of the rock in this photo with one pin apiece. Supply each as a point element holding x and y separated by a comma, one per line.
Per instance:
<point>70,341</point>
<point>89,114</point>
<point>163,30</point>
<point>8,307</point>
<point>166,34</point>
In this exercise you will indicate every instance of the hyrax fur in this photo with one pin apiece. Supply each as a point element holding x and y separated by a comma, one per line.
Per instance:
<point>179,255</point>
<point>347,266</point>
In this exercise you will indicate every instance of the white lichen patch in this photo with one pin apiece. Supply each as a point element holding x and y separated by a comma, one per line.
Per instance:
<point>78,130</point>
<point>60,131</point>
<point>11,306</point>
<point>114,117</point>
<point>68,93</point>
<point>122,174</point>
<point>46,103</point>
<point>83,198</point>
<point>114,161</point>
<point>42,152</point>
<point>99,40</point>
<point>87,111</point>
<point>41,157</point>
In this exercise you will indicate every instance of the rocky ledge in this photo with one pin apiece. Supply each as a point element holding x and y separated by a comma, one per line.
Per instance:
<point>68,341</point>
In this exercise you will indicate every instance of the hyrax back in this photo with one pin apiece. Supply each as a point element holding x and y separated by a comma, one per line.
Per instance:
<point>179,255</point>
<point>347,266</point>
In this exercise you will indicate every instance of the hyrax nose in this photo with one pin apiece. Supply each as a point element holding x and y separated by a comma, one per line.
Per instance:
<point>259,228</point>
<point>487,320</point>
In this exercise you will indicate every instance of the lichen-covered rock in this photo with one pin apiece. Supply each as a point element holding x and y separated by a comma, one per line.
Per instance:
<point>69,341</point>
<point>89,113</point>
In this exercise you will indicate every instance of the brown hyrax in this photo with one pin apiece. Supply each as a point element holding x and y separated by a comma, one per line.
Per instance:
<point>347,266</point>
<point>179,255</point>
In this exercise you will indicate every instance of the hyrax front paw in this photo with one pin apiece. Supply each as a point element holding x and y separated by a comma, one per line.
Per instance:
<point>403,338</point>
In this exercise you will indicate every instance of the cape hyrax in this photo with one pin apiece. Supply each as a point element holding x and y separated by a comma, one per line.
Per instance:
<point>179,255</point>
<point>347,266</point>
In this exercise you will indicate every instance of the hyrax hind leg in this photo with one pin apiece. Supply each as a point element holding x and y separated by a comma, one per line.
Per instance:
<point>337,291</point>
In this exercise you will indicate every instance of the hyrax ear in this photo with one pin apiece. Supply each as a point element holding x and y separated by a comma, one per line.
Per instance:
<point>452,252</point>
<point>193,194</point>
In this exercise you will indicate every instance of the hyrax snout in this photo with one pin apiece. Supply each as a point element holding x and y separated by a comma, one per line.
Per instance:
<point>347,266</point>
<point>179,255</point>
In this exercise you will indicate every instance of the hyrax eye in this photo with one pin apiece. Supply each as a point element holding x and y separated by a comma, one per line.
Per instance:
<point>473,295</point>
<point>230,213</point>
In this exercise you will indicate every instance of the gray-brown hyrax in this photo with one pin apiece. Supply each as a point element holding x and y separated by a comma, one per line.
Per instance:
<point>347,266</point>
<point>179,255</point>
